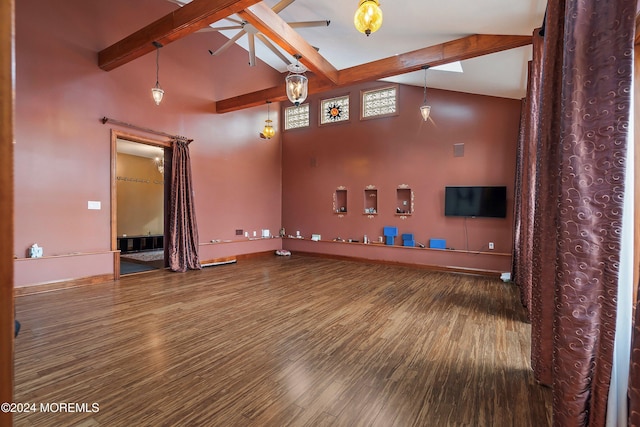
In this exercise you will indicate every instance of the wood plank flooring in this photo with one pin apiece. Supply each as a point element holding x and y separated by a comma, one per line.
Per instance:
<point>281,341</point>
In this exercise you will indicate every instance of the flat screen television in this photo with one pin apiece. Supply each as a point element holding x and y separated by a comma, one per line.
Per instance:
<point>475,201</point>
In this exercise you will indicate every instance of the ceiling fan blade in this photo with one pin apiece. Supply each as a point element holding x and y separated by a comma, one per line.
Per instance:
<point>237,21</point>
<point>272,48</point>
<point>252,49</point>
<point>209,29</point>
<point>284,3</point>
<point>307,24</point>
<point>227,44</point>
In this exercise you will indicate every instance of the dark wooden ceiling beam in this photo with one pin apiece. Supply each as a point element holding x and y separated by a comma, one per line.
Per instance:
<point>278,31</point>
<point>273,94</point>
<point>456,50</point>
<point>183,21</point>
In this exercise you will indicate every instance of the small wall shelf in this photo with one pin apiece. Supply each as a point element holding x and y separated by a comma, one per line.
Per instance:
<point>371,201</point>
<point>140,243</point>
<point>340,201</point>
<point>404,201</point>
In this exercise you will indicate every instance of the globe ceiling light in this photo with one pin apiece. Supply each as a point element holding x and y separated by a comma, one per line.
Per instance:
<point>368,17</point>
<point>268,132</point>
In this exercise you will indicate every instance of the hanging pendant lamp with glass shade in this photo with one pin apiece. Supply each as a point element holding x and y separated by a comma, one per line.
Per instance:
<point>296,82</point>
<point>157,91</point>
<point>268,132</point>
<point>425,109</point>
<point>368,17</point>
<point>159,161</point>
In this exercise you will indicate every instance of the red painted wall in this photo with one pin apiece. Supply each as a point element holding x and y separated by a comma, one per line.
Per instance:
<point>392,151</point>
<point>62,151</point>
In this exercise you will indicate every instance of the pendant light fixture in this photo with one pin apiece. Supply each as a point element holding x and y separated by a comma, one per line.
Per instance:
<point>424,108</point>
<point>157,91</point>
<point>296,82</point>
<point>159,161</point>
<point>368,17</point>
<point>268,132</point>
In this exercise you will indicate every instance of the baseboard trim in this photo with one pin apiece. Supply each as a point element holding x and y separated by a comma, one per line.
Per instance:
<point>218,261</point>
<point>256,255</point>
<point>438,268</point>
<point>62,284</point>
<point>94,280</point>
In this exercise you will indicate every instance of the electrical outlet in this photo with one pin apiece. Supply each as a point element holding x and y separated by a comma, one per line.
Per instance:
<point>490,245</point>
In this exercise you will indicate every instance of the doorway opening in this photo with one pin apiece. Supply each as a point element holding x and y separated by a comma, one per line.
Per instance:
<point>139,200</point>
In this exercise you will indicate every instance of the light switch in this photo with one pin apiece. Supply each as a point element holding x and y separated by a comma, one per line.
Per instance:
<point>93,205</point>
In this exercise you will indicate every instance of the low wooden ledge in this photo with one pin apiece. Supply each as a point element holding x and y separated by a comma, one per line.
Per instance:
<point>70,254</point>
<point>244,240</point>
<point>382,245</point>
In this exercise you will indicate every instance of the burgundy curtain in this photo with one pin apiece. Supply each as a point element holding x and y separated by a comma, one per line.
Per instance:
<point>517,263</point>
<point>583,129</point>
<point>596,100</point>
<point>526,165</point>
<point>548,65</point>
<point>183,230</point>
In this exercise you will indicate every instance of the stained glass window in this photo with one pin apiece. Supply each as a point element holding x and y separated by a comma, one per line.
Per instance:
<point>334,110</point>
<point>380,102</point>
<point>296,117</point>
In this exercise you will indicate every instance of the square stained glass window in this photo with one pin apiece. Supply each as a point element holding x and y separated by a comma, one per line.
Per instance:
<point>334,110</point>
<point>296,117</point>
<point>381,102</point>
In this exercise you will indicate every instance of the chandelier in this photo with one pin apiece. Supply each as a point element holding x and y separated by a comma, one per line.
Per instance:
<point>296,82</point>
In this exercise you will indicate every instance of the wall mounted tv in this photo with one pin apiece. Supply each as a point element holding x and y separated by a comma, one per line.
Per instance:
<point>475,201</point>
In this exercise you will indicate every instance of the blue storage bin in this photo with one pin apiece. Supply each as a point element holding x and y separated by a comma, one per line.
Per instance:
<point>438,243</point>
<point>389,240</point>
<point>390,231</point>
<point>408,243</point>
<point>407,236</point>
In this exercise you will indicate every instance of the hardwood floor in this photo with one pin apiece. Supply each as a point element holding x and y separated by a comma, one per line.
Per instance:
<point>281,341</point>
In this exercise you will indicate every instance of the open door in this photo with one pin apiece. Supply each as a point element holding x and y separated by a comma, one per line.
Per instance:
<point>139,202</point>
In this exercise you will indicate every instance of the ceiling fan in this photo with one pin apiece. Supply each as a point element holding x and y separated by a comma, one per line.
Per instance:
<point>253,33</point>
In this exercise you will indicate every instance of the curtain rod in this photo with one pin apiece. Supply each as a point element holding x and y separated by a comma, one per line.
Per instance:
<point>105,120</point>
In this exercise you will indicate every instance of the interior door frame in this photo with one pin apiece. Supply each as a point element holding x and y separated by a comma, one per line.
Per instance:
<point>7,128</point>
<point>162,143</point>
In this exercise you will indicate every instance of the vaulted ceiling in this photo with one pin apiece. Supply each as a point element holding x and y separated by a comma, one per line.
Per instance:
<point>491,41</point>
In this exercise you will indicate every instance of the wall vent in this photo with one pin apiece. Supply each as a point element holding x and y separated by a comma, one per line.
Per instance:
<point>458,150</point>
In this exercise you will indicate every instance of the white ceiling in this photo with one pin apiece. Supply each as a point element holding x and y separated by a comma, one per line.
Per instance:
<point>413,24</point>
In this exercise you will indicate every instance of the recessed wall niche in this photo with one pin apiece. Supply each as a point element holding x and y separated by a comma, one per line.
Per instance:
<point>404,201</point>
<point>370,201</point>
<point>340,201</point>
